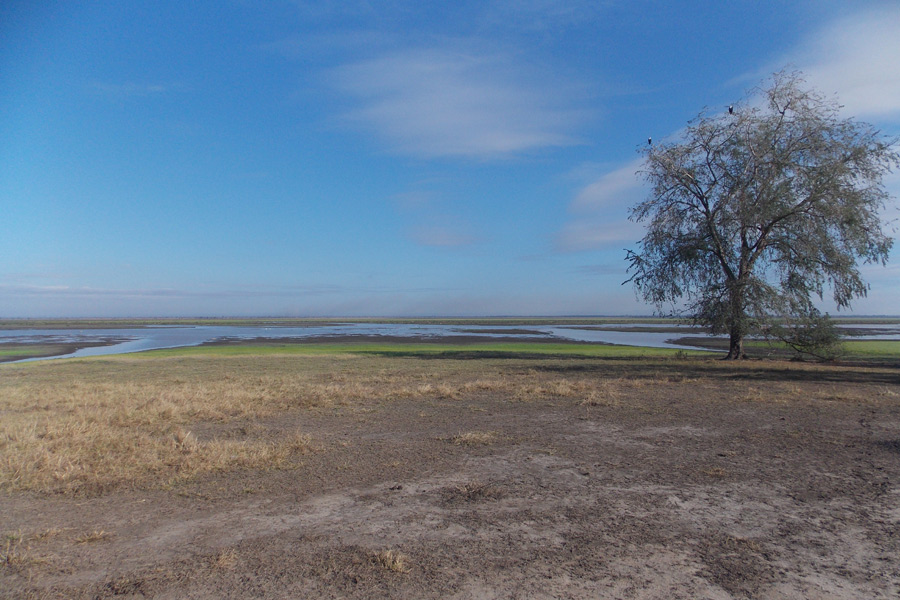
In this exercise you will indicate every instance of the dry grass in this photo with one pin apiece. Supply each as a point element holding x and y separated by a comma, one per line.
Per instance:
<point>46,534</point>
<point>82,427</point>
<point>225,560</point>
<point>392,560</point>
<point>715,472</point>
<point>472,491</point>
<point>91,426</point>
<point>97,535</point>
<point>11,551</point>
<point>95,425</point>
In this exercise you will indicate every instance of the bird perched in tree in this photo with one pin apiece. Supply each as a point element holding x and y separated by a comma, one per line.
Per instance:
<point>650,141</point>
<point>731,110</point>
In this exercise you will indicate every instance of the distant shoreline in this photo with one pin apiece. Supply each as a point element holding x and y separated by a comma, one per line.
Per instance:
<point>134,323</point>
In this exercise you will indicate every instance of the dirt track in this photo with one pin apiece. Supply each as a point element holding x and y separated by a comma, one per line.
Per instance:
<point>703,481</point>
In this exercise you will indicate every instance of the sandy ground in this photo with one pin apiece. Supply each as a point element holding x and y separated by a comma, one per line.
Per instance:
<point>690,482</point>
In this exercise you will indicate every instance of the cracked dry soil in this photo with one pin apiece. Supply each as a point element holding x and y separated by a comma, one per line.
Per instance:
<point>688,488</point>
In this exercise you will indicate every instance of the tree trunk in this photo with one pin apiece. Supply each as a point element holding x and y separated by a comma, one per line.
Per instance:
<point>735,346</point>
<point>737,326</point>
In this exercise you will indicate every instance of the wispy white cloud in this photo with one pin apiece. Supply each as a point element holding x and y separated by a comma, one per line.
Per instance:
<point>460,102</point>
<point>853,57</point>
<point>619,188</point>
<point>601,212</point>
<point>856,57</point>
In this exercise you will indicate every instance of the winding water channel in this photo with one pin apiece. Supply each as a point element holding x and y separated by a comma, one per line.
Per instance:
<point>122,341</point>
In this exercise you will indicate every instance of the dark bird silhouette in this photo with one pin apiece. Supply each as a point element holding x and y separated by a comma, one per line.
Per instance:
<point>731,110</point>
<point>650,141</point>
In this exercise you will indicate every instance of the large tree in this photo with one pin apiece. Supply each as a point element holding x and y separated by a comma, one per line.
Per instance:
<point>757,210</point>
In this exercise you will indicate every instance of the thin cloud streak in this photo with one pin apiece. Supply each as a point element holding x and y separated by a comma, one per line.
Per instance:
<point>452,102</point>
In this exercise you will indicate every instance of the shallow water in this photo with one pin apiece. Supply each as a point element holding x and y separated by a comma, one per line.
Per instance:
<point>153,338</point>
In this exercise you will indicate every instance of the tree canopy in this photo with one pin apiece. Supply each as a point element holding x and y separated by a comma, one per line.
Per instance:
<point>757,210</point>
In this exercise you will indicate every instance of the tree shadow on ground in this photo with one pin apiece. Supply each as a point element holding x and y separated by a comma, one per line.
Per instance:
<point>890,445</point>
<point>752,370</point>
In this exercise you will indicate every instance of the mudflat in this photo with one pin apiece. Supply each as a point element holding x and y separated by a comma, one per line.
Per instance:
<point>347,476</point>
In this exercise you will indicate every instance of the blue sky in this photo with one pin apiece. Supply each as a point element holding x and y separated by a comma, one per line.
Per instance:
<point>365,158</point>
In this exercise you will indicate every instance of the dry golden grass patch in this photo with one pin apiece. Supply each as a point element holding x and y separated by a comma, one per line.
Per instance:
<point>392,560</point>
<point>607,392</point>
<point>85,427</point>
<point>94,425</point>
<point>225,560</point>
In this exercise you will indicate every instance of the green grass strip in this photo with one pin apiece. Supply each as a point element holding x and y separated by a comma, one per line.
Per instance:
<point>28,350</point>
<point>872,348</point>
<point>426,350</point>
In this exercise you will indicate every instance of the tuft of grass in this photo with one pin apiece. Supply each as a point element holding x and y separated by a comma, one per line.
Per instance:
<point>11,552</point>
<point>471,491</point>
<point>716,472</point>
<point>185,441</point>
<point>97,535</point>
<point>392,560</point>
<point>225,560</point>
<point>46,534</point>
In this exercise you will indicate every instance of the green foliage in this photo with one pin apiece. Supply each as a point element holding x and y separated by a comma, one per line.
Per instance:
<point>754,214</point>
<point>813,334</point>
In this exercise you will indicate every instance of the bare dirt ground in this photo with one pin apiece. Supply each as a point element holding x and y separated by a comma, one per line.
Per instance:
<point>676,479</point>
